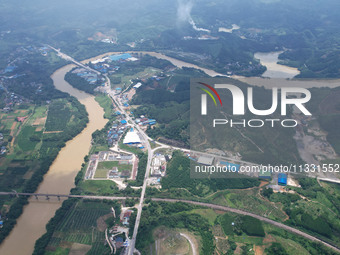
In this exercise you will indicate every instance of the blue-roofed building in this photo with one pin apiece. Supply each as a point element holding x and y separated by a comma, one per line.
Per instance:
<point>282,179</point>
<point>123,122</point>
<point>1,223</point>
<point>126,104</point>
<point>230,166</point>
<point>118,113</point>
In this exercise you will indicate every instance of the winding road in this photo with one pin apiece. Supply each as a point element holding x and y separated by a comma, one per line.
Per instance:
<point>193,248</point>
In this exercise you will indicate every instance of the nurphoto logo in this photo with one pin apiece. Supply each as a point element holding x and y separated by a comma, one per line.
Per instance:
<point>293,96</point>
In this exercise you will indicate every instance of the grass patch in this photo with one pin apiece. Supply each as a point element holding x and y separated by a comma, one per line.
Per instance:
<point>208,214</point>
<point>248,239</point>
<point>291,247</point>
<point>226,221</point>
<point>91,187</point>
<point>101,173</point>
<point>24,141</point>
<point>106,103</point>
<point>59,251</point>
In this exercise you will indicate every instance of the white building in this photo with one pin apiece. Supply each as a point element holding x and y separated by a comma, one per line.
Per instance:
<point>131,138</point>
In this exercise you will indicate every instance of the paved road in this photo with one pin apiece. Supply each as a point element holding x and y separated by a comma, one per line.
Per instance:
<point>131,249</point>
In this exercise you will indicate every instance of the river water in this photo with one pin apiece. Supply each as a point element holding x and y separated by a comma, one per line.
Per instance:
<point>60,177</point>
<point>275,70</point>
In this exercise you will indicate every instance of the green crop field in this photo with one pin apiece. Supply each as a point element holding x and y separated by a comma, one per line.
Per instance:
<point>24,141</point>
<point>97,187</point>
<point>105,166</point>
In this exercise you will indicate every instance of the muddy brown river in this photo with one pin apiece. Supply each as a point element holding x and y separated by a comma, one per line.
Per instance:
<point>60,177</point>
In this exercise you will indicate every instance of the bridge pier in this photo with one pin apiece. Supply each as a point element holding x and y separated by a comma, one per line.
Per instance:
<point>47,197</point>
<point>36,197</point>
<point>58,198</point>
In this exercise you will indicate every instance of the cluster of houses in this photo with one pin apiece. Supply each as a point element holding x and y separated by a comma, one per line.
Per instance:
<point>143,121</point>
<point>104,67</point>
<point>114,173</point>
<point>109,64</point>
<point>11,100</point>
<point>90,77</point>
<point>2,147</point>
<point>123,98</point>
<point>158,165</point>
<point>116,131</point>
<point>1,222</point>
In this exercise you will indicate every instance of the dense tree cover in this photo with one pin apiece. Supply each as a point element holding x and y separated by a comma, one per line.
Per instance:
<point>267,192</point>
<point>226,221</point>
<point>2,97</point>
<point>240,224</point>
<point>218,54</point>
<point>133,67</point>
<point>170,109</point>
<point>53,142</point>
<point>178,176</point>
<point>58,116</point>
<point>318,225</point>
<point>173,216</point>
<point>252,226</point>
<point>143,159</point>
<point>277,249</point>
<point>80,83</point>
<point>286,199</point>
